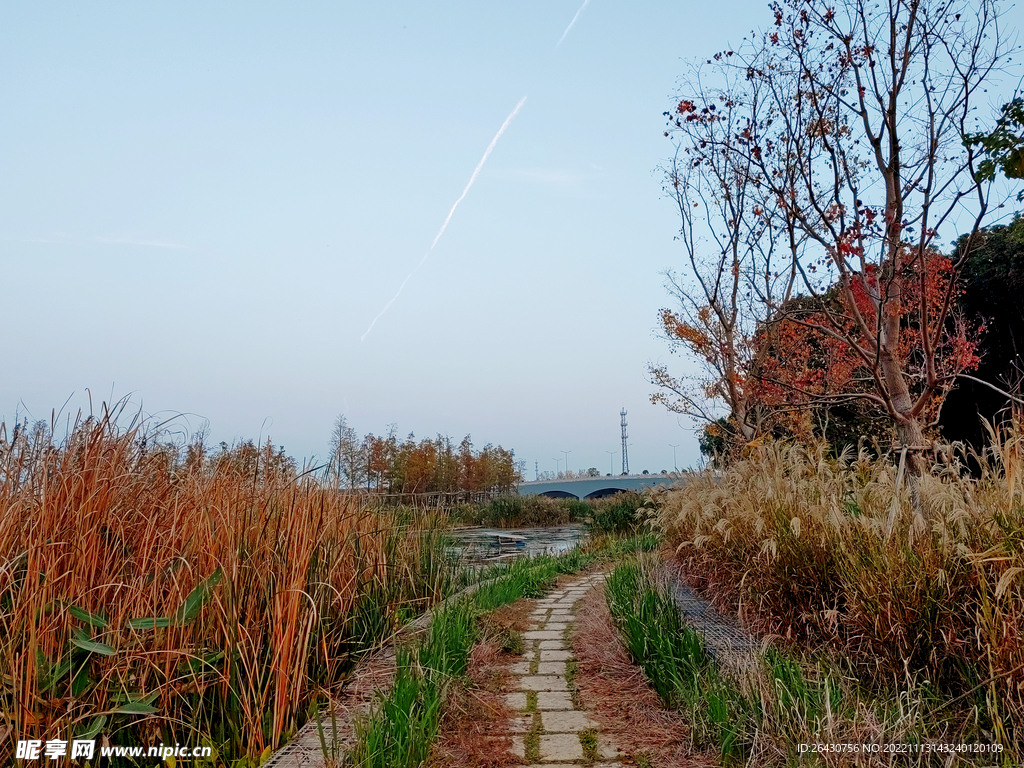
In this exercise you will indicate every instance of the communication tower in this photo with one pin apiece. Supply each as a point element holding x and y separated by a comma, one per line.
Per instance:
<point>625,456</point>
<point>536,470</point>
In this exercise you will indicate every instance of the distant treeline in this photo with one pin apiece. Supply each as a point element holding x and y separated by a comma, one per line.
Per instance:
<point>388,466</point>
<point>378,465</point>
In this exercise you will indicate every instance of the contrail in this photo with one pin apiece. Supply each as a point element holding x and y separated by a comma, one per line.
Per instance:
<point>476,171</point>
<point>571,23</point>
<point>472,178</point>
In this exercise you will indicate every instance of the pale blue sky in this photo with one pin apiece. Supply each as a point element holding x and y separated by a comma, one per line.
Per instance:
<point>204,205</point>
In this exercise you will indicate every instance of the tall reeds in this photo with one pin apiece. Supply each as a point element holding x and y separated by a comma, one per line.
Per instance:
<point>146,596</point>
<point>778,709</point>
<point>830,552</point>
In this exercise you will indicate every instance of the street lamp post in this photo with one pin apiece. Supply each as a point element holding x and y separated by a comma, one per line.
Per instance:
<point>566,460</point>
<point>556,466</point>
<point>674,465</point>
<point>611,457</point>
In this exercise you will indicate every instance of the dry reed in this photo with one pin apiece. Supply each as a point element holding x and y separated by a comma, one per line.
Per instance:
<point>146,597</point>
<point>830,552</point>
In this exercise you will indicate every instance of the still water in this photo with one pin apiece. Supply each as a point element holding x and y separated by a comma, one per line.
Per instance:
<point>488,543</point>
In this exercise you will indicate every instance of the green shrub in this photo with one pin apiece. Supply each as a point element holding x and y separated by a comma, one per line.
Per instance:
<point>619,513</point>
<point>576,508</point>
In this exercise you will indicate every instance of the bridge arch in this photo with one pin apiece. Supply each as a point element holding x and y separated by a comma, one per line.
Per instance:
<point>559,495</point>
<point>600,493</point>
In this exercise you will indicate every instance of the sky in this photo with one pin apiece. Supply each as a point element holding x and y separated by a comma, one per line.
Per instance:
<point>205,206</point>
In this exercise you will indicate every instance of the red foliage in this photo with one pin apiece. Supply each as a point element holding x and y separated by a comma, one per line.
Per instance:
<point>806,356</point>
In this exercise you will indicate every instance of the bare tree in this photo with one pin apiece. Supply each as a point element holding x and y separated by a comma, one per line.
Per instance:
<point>731,280</point>
<point>348,457</point>
<point>855,115</point>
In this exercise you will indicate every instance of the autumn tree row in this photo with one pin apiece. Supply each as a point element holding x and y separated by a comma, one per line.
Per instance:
<point>406,467</point>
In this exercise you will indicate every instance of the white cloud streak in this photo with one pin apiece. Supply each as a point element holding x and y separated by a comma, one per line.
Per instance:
<point>448,218</point>
<point>572,23</point>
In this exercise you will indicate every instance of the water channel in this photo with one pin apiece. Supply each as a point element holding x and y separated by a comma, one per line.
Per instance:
<point>491,544</point>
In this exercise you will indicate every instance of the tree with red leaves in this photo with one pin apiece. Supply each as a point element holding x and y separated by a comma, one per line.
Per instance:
<point>851,141</point>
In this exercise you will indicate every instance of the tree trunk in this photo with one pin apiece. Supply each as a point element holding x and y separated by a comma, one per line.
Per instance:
<point>910,434</point>
<point>908,429</point>
<point>746,430</point>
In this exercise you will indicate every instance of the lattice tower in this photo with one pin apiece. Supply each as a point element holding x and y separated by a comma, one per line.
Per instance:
<point>625,454</point>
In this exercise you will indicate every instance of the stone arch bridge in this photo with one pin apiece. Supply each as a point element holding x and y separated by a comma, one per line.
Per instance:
<point>596,487</point>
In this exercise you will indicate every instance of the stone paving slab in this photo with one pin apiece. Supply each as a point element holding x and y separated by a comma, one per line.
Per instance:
<point>561,746</point>
<point>518,747</point>
<point>546,656</point>
<point>516,701</point>
<point>543,683</point>
<point>541,634</point>
<point>521,724</point>
<point>552,700</point>
<point>606,750</point>
<point>572,721</point>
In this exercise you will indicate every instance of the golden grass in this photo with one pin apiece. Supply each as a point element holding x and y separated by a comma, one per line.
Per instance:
<point>829,552</point>
<point>258,585</point>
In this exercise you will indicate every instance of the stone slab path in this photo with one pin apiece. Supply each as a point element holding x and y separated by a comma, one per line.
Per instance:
<point>552,728</point>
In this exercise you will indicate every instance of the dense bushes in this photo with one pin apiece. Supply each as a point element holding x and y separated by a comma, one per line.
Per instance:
<point>520,512</point>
